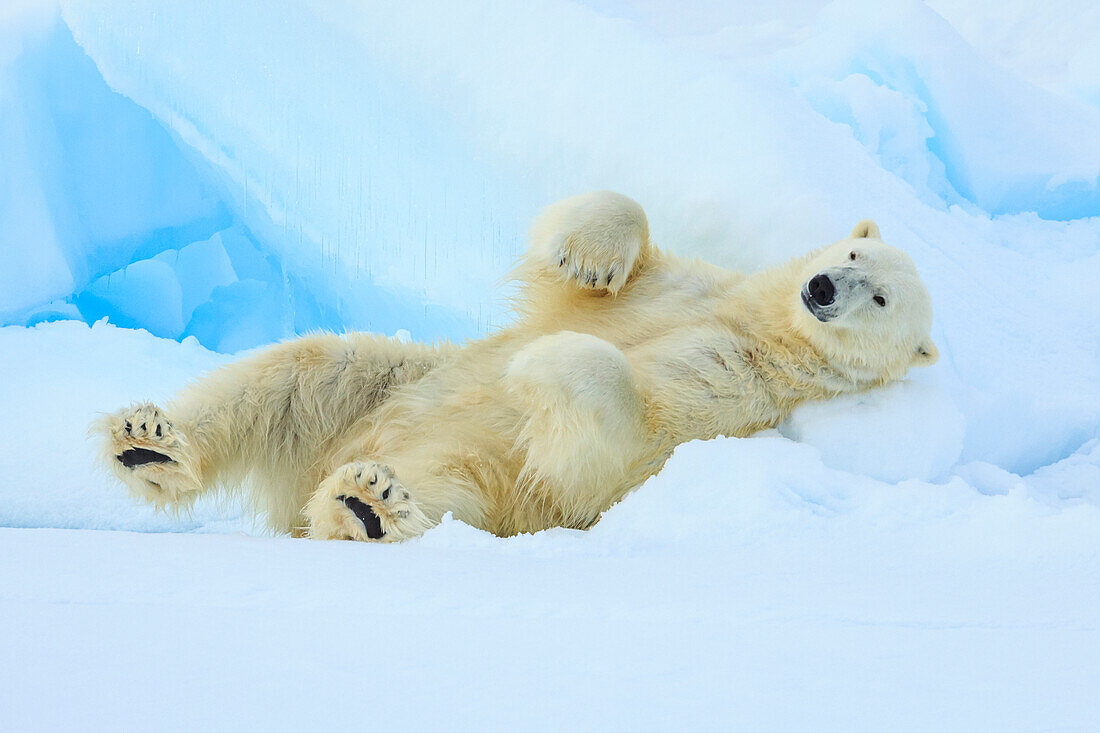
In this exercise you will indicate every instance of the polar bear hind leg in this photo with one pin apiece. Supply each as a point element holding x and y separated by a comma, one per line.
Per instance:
<point>364,501</point>
<point>261,425</point>
<point>150,455</point>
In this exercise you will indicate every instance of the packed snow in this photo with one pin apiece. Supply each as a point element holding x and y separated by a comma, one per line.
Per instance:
<point>181,181</point>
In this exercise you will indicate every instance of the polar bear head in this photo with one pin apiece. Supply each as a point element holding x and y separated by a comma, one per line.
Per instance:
<point>864,307</point>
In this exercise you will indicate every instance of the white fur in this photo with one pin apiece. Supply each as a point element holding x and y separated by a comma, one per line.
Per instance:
<point>582,417</point>
<point>620,352</point>
<point>592,240</point>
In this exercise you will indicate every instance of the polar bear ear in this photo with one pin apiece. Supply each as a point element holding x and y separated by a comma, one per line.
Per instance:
<point>927,354</point>
<point>866,229</point>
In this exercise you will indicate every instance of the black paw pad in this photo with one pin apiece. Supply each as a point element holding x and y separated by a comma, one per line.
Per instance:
<point>365,514</point>
<point>141,456</point>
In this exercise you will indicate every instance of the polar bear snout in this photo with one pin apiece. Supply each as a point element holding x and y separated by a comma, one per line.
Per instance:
<point>821,289</point>
<point>819,297</point>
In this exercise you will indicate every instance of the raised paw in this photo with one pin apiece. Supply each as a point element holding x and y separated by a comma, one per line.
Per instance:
<point>364,501</point>
<point>590,274</point>
<point>592,240</point>
<point>143,449</point>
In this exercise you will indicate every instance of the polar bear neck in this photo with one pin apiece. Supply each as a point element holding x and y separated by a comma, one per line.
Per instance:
<point>768,304</point>
<point>730,376</point>
<point>766,352</point>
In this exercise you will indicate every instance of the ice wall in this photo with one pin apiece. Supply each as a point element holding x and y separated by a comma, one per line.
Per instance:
<point>892,74</point>
<point>108,214</point>
<point>357,183</point>
<point>90,181</point>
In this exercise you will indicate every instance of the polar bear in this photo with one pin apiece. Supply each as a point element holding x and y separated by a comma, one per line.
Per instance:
<point>619,353</point>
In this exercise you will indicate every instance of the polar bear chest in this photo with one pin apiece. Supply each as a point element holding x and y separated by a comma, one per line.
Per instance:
<point>704,382</point>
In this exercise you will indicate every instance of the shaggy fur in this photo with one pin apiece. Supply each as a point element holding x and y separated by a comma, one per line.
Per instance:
<point>620,352</point>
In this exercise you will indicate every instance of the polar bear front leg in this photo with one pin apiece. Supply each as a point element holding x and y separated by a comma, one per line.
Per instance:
<point>150,455</point>
<point>583,424</point>
<point>363,500</point>
<point>593,241</point>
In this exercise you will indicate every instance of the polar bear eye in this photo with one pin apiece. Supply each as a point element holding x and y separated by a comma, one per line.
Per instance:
<point>852,255</point>
<point>879,300</point>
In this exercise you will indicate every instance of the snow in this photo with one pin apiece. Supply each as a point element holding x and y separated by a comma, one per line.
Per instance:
<point>181,182</point>
<point>756,583</point>
<point>1055,49</point>
<point>887,47</point>
<point>48,403</point>
<point>938,631</point>
<point>748,585</point>
<point>861,433</point>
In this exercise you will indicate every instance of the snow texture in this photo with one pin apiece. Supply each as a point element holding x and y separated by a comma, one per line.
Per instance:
<point>183,181</point>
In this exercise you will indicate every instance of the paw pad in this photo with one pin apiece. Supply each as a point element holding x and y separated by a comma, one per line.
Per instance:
<point>371,523</point>
<point>141,456</point>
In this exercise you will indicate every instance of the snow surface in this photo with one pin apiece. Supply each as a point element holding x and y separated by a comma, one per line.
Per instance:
<point>181,181</point>
<point>747,585</point>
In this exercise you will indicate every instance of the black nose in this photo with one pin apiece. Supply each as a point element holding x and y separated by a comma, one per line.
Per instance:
<point>822,290</point>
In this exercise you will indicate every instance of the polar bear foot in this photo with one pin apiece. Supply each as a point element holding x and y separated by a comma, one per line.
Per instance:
<point>591,240</point>
<point>142,448</point>
<point>364,501</point>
